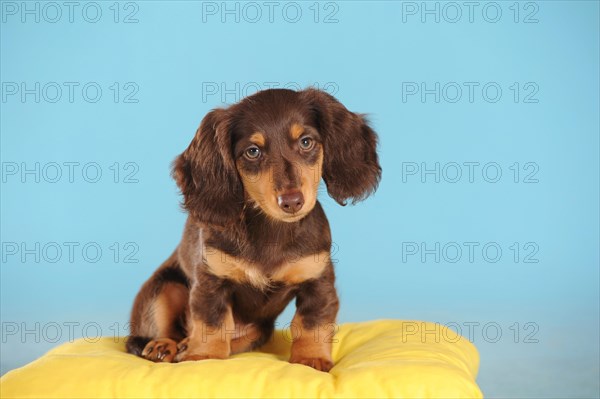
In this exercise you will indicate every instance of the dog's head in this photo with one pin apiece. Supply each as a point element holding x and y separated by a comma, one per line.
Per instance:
<point>270,150</point>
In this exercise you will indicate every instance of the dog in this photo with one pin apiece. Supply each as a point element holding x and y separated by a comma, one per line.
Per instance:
<point>256,237</point>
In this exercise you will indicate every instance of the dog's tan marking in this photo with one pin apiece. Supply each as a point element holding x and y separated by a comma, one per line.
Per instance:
<point>246,334</point>
<point>296,131</point>
<point>293,272</point>
<point>231,268</point>
<point>258,138</point>
<point>310,178</point>
<point>259,188</point>
<point>299,270</point>
<point>210,342</point>
<point>311,347</point>
<point>169,304</point>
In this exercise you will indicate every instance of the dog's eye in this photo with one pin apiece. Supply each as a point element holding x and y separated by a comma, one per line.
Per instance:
<point>306,143</point>
<point>252,152</point>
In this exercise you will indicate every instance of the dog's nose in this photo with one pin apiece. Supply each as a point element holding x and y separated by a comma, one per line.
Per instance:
<point>291,202</point>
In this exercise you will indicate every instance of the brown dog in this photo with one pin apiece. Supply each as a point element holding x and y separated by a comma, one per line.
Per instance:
<point>256,236</point>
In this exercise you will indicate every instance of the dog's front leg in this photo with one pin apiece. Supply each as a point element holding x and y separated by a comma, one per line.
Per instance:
<point>313,326</point>
<point>210,325</point>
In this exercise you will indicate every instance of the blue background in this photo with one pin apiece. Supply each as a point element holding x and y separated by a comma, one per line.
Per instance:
<point>365,54</point>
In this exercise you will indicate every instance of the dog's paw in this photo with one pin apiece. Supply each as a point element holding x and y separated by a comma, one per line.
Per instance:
<point>160,350</point>
<point>181,350</point>
<point>317,363</point>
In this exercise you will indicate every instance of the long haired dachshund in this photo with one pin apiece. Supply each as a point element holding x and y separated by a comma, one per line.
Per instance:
<point>256,237</point>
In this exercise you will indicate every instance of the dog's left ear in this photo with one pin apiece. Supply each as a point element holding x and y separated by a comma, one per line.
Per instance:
<point>350,166</point>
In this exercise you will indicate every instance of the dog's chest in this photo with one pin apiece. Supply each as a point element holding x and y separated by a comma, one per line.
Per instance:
<point>290,271</point>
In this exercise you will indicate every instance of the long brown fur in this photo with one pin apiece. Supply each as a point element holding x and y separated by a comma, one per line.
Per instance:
<point>256,236</point>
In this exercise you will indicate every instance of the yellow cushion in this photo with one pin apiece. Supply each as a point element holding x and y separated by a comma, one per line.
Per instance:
<point>388,358</point>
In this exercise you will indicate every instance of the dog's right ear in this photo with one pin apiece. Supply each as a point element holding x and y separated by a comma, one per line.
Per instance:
<point>206,174</point>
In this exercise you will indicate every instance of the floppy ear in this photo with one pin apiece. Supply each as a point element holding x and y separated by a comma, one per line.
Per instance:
<point>206,174</point>
<point>350,166</point>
